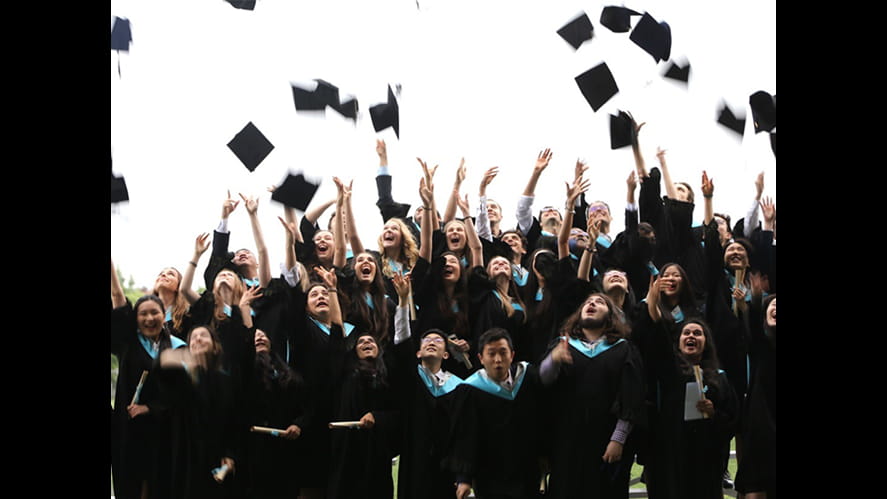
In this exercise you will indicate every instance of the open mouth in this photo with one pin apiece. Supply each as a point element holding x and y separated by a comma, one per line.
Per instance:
<point>449,271</point>
<point>322,247</point>
<point>366,271</point>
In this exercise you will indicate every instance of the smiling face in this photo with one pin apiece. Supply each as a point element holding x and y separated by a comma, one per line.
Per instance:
<point>692,341</point>
<point>494,211</point>
<point>391,236</point>
<point>499,266</point>
<point>261,341</point>
<point>244,258</point>
<point>615,279</point>
<point>366,347</point>
<point>672,281</point>
<point>318,303</point>
<point>324,245</point>
<point>770,314</point>
<point>452,269</point>
<point>496,357</point>
<point>168,279</point>
<point>579,237</point>
<point>150,318</point>
<point>514,240</point>
<point>735,256</point>
<point>365,268</point>
<point>225,279</point>
<point>200,341</point>
<point>433,347</point>
<point>456,237</point>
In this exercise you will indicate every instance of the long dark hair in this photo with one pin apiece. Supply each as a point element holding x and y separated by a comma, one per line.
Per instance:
<point>374,320</point>
<point>272,370</point>
<point>374,369</point>
<point>547,269</point>
<point>460,295</point>
<point>614,328</point>
<point>214,356</point>
<point>165,332</point>
<point>686,298</point>
<point>709,361</point>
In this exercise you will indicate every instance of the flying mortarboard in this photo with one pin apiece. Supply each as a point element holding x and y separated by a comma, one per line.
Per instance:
<point>676,72</point>
<point>654,37</point>
<point>348,108</point>
<point>763,111</point>
<point>577,31</point>
<point>622,130</point>
<point>295,191</point>
<point>386,115</point>
<point>735,122</point>
<point>243,4</point>
<point>308,100</point>
<point>121,35</point>
<point>118,187</point>
<point>327,93</point>
<point>597,85</point>
<point>617,19</point>
<point>250,146</point>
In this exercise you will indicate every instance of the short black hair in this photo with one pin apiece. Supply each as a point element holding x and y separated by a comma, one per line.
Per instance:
<point>492,335</point>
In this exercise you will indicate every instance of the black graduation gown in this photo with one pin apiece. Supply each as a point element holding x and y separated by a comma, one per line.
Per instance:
<point>360,459</point>
<point>136,444</point>
<point>485,309</point>
<point>496,441</point>
<point>685,459</point>
<point>757,469</point>
<point>427,421</point>
<point>347,284</point>
<point>204,429</point>
<point>425,296</point>
<point>589,396</point>
<point>275,463</point>
<point>274,315</point>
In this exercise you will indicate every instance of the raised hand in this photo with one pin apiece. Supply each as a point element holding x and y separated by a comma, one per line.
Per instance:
<point>382,151</point>
<point>632,182</point>
<point>251,203</point>
<point>768,209</point>
<point>708,185</point>
<point>573,191</point>
<point>201,244</point>
<point>290,228</point>
<point>228,205</point>
<point>542,160</point>
<point>327,276</point>
<point>460,173</point>
<point>579,169</point>
<point>402,285</point>
<point>463,205</point>
<point>488,177</point>
<point>561,353</point>
<point>249,295</point>
<point>426,193</point>
<point>429,174</point>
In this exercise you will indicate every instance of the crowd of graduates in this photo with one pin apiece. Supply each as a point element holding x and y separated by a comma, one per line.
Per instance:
<point>542,360</point>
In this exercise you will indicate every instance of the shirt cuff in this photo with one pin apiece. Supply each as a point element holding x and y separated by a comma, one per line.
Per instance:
<point>383,170</point>
<point>631,206</point>
<point>223,226</point>
<point>291,276</point>
<point>623,429</point>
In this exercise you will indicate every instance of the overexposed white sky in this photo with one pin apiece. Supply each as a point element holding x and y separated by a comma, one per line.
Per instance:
<point>489,80</point>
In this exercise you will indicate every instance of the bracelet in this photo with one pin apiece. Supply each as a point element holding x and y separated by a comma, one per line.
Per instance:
<point>592,250</point>
<point>193,263</point>
<point>707,196</point>
<point>426,207</point>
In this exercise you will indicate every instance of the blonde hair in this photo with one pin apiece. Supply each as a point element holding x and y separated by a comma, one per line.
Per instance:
<point>505,298</point>
<point>409,250</point>
<point>466,250</point>
<point>180,305</point>
<point>219,305</point>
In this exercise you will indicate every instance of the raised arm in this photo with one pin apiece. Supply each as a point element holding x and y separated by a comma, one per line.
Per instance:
<point>482,223</point>
<point>563,238</point>
<point>474,244</point>
<point>751,218</point>
<point>708,189</point>
<point>118,297</point>
<point>201,244</point>
<point>429,180</point>
<point>524,214</point>
<point>768,209</point>
<point>291,261</point>
<point>219,257</point>
<point>426,193</point>
<point>639,164</point>
<point>252,208</point>
<point>670,190</point>
<point>313,215</point>
<point>593,229</point>
<point>329,278</point>
<point>344,193</point>
<point>450,212</point>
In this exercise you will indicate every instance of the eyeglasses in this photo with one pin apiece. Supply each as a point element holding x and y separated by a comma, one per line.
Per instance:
<point>592,209</point>
<point>433,339</point>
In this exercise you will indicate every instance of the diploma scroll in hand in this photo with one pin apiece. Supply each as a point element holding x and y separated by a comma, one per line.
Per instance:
<point>345,424</point>
<point>274,432</point>
<point>220,473</point>
<point>455,352</point>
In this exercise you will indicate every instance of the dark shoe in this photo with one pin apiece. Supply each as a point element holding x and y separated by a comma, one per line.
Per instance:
<point>727,481</point>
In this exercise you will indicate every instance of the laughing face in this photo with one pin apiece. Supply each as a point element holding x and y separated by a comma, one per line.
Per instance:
<point>244,258</point>
<point>499,266</point>
<point>770,315</point>
<point>692,341</point>
<point>672,281</point>
<point>391,236</point>
<point>735,256</point>
<point>150,318</point>
<point>261,341</point>
<point>433,346</point>
<point>366,347</point>
<point>365,268</point>
<point>514,240</point>
<point>323,245</point>
<point>318,304</point>
<point>200,341</point>
<point>452,269</point>
<point>167,280</point>
<point>455,234</point>
<point>615,279</point>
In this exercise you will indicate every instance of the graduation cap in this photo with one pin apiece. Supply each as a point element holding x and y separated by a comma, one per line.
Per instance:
<point>730,120</point>
<point>308,100</point>
<point>622,130</point>
<point>577,31</point>
<point>652,36</point>
<point>347,109</point>
<point>676,72</point>
<point>327,93</point>
<point>617,19</point>
<point>243,4</point>
<point>295,191</point>
<point>121,35</point>
<point>118,189</point>
<point>386,115</point>
<point>763,111</point>
<point>250,146</point>
<point>597,85</point>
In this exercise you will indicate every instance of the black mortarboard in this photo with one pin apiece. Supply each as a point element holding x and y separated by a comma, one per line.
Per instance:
<point>327,93</point>
<point>121,36</point>
<point>597,85</point>
<point>348,108</point>
<point>617,19</point>
<point>250,146</point>
<point>118,189</point>
<point>243,4</point>
<point>763,111</point>
<point>386,115</point>
<point>654,37</point>
<point>577,31</point>
<point>308,100</point>
<point>730,120</point>
<point>676,72</point>
<point>622,132</point>
<point>295,191</point>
